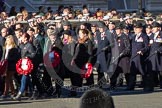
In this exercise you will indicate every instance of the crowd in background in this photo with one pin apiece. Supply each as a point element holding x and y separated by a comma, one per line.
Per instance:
<point>124,47</point>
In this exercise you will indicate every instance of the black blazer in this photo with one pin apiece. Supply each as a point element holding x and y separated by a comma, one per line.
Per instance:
<point>13,57</point>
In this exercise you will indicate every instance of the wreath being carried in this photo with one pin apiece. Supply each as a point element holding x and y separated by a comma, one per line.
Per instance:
<point>24,66</point>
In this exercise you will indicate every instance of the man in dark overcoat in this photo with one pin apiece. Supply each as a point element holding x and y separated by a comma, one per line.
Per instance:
<point>103,51</point>
<point>139,50</point>
<point>154,61</point>
<point>123,57</point>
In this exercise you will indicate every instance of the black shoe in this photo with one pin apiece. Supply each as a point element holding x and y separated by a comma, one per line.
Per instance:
<point>72,94</point>
<point>160,86</point>
<point>147,89</point>
<point>129,89</point>
<point>112,88</point>
<point>57,94</point>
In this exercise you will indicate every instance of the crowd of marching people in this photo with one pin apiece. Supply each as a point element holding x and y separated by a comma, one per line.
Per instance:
<point>36,53</point>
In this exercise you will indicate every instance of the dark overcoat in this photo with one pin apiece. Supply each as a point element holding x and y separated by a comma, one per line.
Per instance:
<point>155,56</point>
<point>124,53</point>
<point>137,61</point>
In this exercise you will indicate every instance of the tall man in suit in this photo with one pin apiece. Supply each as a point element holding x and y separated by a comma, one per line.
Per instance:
<point>103,51</point>
<point>139,52</point>
<point>154,61</point>
<point>123,57</point>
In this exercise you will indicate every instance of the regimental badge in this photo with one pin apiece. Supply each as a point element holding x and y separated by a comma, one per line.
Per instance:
<point>119,42</point>
<point>140,39</point>
<point>151,41</point>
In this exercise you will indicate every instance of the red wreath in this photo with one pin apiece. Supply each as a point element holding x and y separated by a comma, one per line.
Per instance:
<point>87,70</point>
<point>29,67</point>
<point>53,63</point>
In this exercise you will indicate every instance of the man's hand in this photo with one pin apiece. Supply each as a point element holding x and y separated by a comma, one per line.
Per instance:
<point>140,52</point>
<point>72,62</point>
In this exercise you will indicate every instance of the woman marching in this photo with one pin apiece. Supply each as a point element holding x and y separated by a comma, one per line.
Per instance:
<point>67,54</point>
<point>82,56</point>
<point>10,53</point>
<point>27,52</point>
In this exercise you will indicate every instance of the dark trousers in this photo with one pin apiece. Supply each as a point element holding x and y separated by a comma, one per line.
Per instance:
<point>101,78</point>
<point>156,78</point>
<point>2,82</point>
<point>58,84</point>
<point>36,80</point>
<point>76,81</point>
<point>90,80</point>
<point>114,77</point>
<point>160,76</point>
<point>149,80</point>
<point>47,83</point>
<point>133,73</point>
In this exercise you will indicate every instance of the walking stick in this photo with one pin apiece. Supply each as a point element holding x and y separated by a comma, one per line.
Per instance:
<point>103,49</point>
<point>155,52</point>
<point>137,54</point>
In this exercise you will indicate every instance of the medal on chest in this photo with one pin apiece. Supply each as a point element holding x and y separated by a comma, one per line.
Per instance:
<point>119,42</point>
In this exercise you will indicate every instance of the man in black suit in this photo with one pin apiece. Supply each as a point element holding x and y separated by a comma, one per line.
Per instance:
<point>139,51</point>
<point>123,57</point>
<point>103,51</point>
<point>154,61</point>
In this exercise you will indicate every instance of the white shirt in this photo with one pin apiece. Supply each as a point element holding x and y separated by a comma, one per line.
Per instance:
<point>102,35</point>
<point>137,36</point>
<point>7,51</point>
<point>155,35</point>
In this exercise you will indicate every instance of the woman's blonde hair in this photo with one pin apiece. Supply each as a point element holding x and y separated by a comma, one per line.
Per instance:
<point>13,44</point>
<point>25,14</point>
<point>88,35</point>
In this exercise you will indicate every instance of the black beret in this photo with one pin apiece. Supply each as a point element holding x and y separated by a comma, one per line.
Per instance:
<point>118,27</point>
<point>93,25</point>
<point>112,22</point>
<point>138,25</point>
<point>67,32</point>
<point>66,23</point>
<point>155,24</point>
<point>126,27</point>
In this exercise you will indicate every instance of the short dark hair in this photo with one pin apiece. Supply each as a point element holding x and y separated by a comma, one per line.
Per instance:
<point>26,35</point>
<point>96,98</point>
<point>19,29</point>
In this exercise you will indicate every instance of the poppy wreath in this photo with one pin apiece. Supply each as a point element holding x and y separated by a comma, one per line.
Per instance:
<point>87,70</point>
<point>24,71</point>
<point>56,59</point>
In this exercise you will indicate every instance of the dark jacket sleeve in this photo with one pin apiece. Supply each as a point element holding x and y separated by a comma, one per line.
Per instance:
<point>13,55</point>
<point>127,46</point>
<point>90,49</point>
<point>1,52</point>
<point>76,51</point>
<point>31,52</point>
<point>146,44</point>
